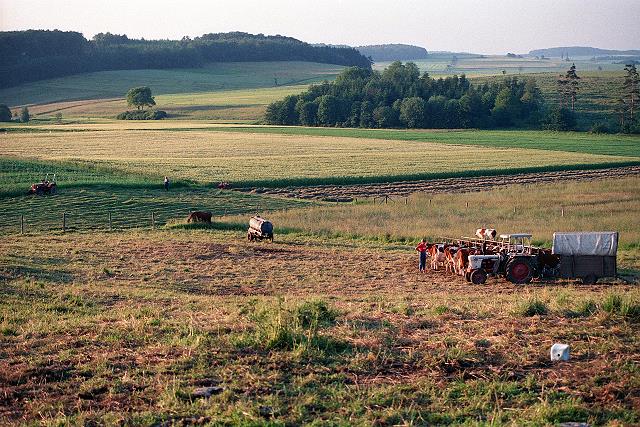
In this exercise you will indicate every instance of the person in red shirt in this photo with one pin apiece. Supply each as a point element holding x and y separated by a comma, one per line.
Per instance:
<point>422,250</point>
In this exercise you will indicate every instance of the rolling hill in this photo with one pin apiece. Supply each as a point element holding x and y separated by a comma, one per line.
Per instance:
<point>556,52</point>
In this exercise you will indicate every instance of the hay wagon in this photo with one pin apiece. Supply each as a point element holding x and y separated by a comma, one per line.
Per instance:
<point>259,229</point>
<point>587,256</point>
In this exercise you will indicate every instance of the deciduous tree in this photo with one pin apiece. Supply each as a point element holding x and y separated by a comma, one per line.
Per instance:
<point>140,97</point>
<point>24,115</point>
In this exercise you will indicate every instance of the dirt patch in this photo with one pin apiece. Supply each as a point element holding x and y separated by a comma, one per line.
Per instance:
<point>347,193</point>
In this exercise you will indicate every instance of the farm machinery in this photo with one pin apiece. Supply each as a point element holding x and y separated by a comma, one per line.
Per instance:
<point>586,256</point>
<point>46,186</point>
<point>259,229</point>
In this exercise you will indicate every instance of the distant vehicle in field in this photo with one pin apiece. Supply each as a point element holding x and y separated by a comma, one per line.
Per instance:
<point>46,186</point>
<point>259,228</point>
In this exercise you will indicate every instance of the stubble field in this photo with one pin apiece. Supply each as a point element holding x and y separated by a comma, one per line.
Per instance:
<point>331,324</point>
<point>125,327</point>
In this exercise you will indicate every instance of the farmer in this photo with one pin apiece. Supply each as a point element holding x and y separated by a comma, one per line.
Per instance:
<point>166,183</point>
<point>422,250</point>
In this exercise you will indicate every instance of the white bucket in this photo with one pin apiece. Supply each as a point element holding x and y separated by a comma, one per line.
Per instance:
<point>559,352</point>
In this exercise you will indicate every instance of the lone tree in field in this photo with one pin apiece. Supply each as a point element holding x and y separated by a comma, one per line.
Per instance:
<point>140,97</point>
<point>24,115</point>
<point>632,87</point>
<point>5,113</point>
<point>571,85</point>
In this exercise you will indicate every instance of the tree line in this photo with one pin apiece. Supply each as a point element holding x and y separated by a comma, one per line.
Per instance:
<point>40,54</point>
<point>400,96</point>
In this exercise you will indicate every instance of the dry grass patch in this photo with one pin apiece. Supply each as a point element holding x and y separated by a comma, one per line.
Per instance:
<point>123,327</point>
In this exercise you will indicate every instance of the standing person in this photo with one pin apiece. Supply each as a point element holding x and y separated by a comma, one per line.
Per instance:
<point>422,250</point>
<point>166,183</point>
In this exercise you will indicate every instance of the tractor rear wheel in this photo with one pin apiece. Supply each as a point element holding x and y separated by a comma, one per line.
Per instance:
<point>519,270</point>
<point>478,277</point>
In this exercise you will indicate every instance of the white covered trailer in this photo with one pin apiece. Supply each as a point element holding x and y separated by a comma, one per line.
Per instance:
<point>587,255</point>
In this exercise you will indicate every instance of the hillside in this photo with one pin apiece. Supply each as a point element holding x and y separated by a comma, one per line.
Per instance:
<point>393,52</point>
<point>556,52</point>
<point>212,78</point>
<point>27,56</point>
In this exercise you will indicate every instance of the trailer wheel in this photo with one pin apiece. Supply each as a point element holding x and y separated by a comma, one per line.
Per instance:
<point>589,279</point>
<point>478,277</point>
<point>519,270</point>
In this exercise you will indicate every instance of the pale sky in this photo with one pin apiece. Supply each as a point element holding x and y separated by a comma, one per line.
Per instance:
<point>479,26</point>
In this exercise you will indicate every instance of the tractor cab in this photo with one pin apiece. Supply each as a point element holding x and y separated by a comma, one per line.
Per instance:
<point>515,244</point>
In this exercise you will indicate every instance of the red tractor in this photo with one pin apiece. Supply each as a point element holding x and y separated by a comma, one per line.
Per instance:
<point>46,186</point>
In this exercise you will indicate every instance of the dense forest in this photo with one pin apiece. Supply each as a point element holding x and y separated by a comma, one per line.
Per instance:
<point>400,96</point>
<point>38,54</point>
<point>393,52</point>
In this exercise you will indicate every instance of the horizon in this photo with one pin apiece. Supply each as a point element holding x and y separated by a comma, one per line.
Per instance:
<point>459,27</point>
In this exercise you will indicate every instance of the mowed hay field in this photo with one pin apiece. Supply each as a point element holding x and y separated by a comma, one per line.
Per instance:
<point>241,105</point>
<point>245,158</point>
<point>123,328</point>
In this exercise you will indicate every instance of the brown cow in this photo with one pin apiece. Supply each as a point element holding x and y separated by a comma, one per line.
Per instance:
<point>461,259</point>
<point>438,258</point>
<point>449,254</point>
<point>199,216</point>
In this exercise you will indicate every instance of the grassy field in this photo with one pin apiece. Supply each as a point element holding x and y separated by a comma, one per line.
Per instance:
<point>264,158</point>
<point>239,105</point>
<point>613,145</point>
<point>212,78</point>
<point>598,205</point>
<point>331,323</point>
<point>124,327</point>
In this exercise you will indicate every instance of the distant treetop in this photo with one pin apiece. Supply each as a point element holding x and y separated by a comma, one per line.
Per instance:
<point>393,52</point>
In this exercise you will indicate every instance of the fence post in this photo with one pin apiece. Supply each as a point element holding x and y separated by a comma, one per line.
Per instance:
<point>386,199</point>
<point>374,200</point>
<point>514,209</point>
<point>466,204</point>
<point>405,200</point>
<point>64,222</point>
<point>562,212</point>
<point>21,224</point>
<point>153,221</point>
<point>110,223</point>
